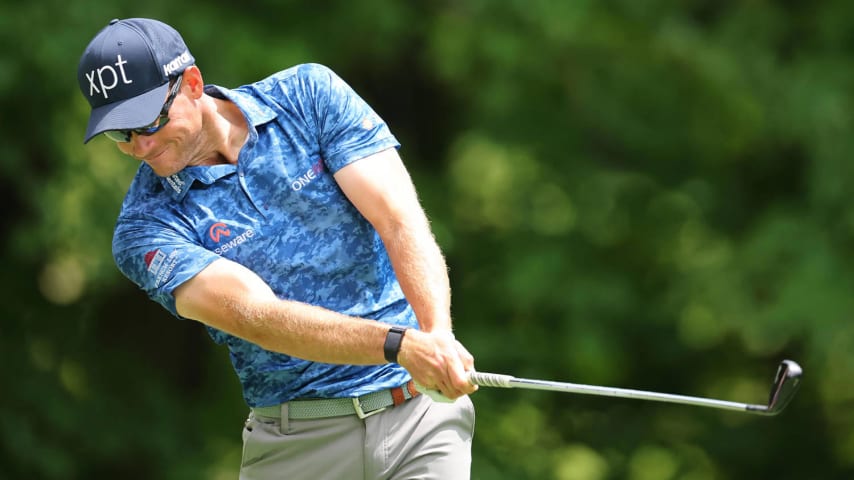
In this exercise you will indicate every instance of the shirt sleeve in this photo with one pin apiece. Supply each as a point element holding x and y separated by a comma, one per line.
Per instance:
<point>158,257</point>
<point>348,128</point>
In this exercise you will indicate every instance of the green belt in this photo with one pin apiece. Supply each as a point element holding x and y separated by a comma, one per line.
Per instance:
<point>363,406</point>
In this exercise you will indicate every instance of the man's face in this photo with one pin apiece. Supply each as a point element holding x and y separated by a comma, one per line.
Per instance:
<point>165,150</point>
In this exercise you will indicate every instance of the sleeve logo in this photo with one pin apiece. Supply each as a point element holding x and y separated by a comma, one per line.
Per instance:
<point>154,260</point>
<point>160,265</point>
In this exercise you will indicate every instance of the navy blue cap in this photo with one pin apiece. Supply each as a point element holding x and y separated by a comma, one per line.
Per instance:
<point>124,73</point>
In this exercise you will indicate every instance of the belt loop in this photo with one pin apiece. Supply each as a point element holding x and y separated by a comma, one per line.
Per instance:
<point>410,387</point>
<point>284,425</point>
<point>397,396</point>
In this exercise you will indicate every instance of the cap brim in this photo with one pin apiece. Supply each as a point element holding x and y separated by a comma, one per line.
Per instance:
<point>135,112</point>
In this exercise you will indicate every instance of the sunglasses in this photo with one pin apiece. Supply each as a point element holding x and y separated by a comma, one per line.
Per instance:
<point>123,136</point>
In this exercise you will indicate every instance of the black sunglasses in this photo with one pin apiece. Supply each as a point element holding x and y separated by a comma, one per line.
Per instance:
<point>123,136</point>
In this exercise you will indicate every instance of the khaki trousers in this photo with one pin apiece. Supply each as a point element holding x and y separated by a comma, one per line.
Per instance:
<point>419,439</point>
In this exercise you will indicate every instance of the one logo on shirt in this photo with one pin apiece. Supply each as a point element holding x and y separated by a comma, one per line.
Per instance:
<point>219,232</point>
<point>303,180</point>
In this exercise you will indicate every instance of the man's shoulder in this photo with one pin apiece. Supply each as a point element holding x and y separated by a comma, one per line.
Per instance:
<point>292,89</point>
<point>304,70</point>
<point>301,74</point>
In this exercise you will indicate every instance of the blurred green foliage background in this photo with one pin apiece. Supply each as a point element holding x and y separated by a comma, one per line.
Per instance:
<point>646,194</point>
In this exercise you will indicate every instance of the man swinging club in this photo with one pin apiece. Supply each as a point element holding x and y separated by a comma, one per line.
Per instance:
<point>280,216</point>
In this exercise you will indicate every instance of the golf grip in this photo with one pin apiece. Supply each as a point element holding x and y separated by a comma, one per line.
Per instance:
<point>490,379</point>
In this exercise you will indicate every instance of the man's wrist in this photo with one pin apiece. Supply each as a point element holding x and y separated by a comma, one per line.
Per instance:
<point>393,340</point>
<point>445,333</point>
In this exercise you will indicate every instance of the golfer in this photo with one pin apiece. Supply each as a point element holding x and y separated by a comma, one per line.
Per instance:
<point>280,216</point>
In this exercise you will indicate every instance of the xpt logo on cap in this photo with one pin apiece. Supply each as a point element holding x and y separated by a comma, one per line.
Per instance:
<point>100,85</point>
<point>130,57</point>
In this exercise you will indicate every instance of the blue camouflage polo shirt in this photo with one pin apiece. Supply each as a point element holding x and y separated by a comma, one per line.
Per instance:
<point>280,213</point>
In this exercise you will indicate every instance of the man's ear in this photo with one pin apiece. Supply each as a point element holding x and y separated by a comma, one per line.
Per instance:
<point>193,80</point>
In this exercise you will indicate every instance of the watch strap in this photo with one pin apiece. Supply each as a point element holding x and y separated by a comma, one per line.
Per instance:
<point>393,339</point>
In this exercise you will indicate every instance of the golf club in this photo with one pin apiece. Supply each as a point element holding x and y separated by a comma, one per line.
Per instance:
<point>785,385</point>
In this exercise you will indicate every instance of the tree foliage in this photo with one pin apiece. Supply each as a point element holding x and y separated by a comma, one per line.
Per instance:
<point>651,195</point>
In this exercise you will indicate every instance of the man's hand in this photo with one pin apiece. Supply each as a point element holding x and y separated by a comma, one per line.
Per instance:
<point>437,361</point>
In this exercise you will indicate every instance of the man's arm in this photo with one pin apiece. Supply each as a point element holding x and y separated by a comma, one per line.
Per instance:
<point>230,297</point>
<point>381,189</point>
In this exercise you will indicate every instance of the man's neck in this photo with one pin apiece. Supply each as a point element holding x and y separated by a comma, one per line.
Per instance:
<point>225,131</point>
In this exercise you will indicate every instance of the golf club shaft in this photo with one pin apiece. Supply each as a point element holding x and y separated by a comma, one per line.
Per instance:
<point>506,381</point>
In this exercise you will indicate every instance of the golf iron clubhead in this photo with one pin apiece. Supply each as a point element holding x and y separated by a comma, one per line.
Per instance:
<point>786,383</point>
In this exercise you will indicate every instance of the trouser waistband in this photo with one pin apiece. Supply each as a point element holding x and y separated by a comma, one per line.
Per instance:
<point>363,406</point>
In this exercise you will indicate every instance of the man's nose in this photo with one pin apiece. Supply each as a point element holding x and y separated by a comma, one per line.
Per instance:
<point>140,145</point>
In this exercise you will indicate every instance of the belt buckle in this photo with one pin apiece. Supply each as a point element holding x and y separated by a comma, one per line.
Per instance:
<point>357,405</point>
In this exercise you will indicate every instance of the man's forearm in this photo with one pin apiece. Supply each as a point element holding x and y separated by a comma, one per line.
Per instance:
<point>379,186</point>
<point>317,334</point>
<point>229,297</point>
<point>422,273</point>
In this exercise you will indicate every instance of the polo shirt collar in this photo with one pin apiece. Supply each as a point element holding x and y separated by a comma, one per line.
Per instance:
<point>256,112</point>
<point>179,184</point>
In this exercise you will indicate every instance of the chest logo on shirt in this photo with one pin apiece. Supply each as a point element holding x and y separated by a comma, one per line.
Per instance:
<point>218,230</point>
<point>220,233</point>
<point>303,180</point>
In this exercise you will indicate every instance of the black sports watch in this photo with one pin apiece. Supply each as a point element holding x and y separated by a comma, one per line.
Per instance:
<point>393,339</point>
